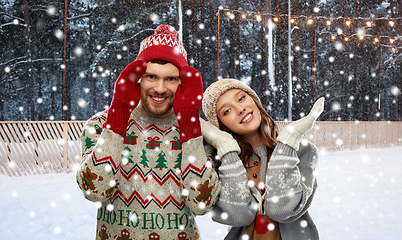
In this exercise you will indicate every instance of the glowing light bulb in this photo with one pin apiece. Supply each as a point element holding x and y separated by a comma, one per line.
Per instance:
<point>310,21</point>
<point>276,19</point>
<point>346,39</point>
<point>292,20</point>
<point>376,40</point>
<point>243,16</point>
<point>329,22</point>
<point>368,23</point>
<point>391,23</point>
<point>391,40</point>
<point>259,18</point>
<point>333,37</point>
<point>348,22</point>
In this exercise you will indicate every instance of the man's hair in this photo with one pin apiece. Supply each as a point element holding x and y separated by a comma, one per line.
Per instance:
<point>159,61</point>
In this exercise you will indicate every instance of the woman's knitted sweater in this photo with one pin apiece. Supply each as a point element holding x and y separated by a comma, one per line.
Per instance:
<point>290,183</point>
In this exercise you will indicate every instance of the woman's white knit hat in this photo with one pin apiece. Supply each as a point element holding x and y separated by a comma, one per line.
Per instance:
<point>215,90</point>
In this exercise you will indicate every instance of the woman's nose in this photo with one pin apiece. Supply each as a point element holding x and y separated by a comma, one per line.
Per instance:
<point>240,110</point>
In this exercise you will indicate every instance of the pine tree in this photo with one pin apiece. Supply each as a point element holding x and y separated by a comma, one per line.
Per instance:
<point>161,161</point>
<point>178,161</point>
<point>127,154</point>
<point>144,158</point>
<point>89,143</point>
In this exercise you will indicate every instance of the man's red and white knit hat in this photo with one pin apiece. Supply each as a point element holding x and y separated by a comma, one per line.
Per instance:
<point>163,45</point>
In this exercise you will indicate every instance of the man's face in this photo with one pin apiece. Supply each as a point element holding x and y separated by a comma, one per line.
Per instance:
<point>158,89</point>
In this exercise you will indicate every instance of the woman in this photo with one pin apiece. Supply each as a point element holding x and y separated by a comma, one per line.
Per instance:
<point>280,176</point>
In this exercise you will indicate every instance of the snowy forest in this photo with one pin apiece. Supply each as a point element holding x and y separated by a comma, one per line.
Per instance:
<point>60,59</point>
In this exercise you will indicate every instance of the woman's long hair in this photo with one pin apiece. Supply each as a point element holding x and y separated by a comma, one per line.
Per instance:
<point>268,130</point>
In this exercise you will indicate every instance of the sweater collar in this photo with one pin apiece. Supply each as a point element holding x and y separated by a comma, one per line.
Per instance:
<point>144,120</point>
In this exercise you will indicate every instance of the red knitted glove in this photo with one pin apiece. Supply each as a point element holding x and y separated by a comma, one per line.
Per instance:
<point>187,103</point>
<point>126,96</point>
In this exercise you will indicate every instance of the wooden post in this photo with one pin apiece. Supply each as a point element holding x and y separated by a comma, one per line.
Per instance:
<point>65,146</point>
<point>219,21</point>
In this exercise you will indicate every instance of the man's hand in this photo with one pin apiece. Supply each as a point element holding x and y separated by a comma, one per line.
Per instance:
<point>187,103</point>
<point>126,97</point>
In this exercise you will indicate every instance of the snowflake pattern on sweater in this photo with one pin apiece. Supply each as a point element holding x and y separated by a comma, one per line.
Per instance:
<point>148,185</point>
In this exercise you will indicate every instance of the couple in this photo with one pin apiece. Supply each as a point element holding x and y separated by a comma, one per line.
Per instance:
<point>147,160</point>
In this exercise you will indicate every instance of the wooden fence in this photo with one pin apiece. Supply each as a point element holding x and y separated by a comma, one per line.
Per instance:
<point>39,147</point>
<point>51,147</point>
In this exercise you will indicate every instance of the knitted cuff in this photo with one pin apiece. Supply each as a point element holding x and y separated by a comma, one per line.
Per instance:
<point>117,117</point>
<point>189,124</point>
<point>284,150</point>
<point>290,137</point>
<point>225,147</point>
<point>230,158</point>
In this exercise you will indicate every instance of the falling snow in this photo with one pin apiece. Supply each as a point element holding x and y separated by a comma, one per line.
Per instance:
<point>358,196</point>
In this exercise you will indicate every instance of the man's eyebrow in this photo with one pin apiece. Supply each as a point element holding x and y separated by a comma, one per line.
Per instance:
<point>148,73</point>
<point>154,74</point>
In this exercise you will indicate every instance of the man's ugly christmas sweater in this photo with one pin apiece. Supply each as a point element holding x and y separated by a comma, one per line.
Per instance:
<point>147,185</point>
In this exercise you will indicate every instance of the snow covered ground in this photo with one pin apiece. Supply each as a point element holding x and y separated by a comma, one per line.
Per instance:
<point>359,197</point>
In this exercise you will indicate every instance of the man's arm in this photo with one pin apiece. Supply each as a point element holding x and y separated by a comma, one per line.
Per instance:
<point>101,158</point>
<point>103,137</point>
<point>200,184</point>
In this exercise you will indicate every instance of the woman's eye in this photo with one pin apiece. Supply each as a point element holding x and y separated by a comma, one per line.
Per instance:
<point>242,98</point>
<point>226,112</point>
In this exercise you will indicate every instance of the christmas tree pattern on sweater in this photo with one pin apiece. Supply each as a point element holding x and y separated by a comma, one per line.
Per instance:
<point>148,194</point>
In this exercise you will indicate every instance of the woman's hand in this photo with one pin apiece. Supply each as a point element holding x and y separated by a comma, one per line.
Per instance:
<point>293,132</point>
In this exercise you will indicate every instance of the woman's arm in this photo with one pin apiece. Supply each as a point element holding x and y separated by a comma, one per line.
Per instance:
<point>235,206</point>
<point>291,182</point>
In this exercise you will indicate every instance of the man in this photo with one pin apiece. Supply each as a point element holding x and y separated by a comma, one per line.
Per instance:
<point>143,159</point>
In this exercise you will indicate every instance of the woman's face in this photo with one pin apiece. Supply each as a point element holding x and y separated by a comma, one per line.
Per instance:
<point>238,111</point>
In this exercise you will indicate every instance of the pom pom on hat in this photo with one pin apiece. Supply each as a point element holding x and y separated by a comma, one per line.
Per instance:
<point>215,90</point>
<point>163,45</point>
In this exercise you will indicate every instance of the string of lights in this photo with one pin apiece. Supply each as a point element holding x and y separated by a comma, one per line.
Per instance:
<point>363,24</point>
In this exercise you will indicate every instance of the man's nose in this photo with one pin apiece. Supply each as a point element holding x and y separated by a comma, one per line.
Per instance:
<point>160,86</point>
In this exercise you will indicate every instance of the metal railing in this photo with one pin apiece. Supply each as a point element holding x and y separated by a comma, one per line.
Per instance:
<point>54,146</point>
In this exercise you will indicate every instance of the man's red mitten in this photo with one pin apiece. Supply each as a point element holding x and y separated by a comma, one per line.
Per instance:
<point>126,96</point>
<point>187,103</point>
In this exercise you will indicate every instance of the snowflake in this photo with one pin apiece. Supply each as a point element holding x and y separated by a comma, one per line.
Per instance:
<point>127,187</point>
<point>170,187</point>
<point>242,191</point>
<point>144,189</point>
<point>170,154</point>
<point>136,182</point>
<point>178,193</point>
<point>152,186</point>
<point>161,192</point>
